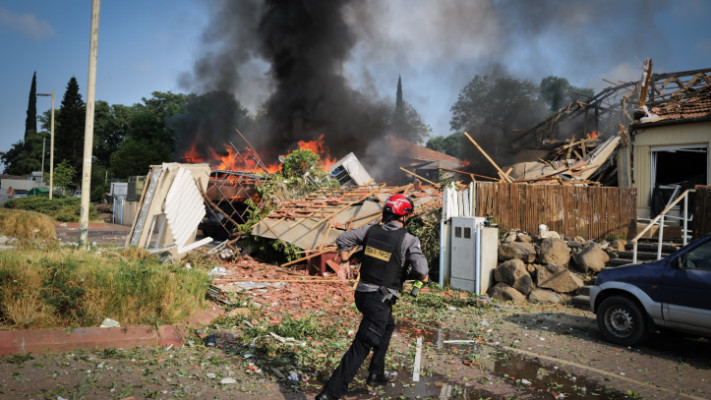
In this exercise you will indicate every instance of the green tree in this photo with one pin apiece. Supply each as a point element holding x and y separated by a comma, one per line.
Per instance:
<point>31,120</point>
<point>24,156</point>
<point>558,93</point>
<point>134,157</point>
<point>134,138</point>
<point>491,110</point>
<point>69,127</point>
<point>64,175</point>
<point>151,120</point>
<point>205,120</point>
<point>406,122</point>
<point>299,162</point>
<point>111,126</point>
<point>452,144</point>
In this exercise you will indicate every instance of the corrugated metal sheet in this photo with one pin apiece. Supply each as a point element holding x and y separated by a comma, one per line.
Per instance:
<point>184,207</point>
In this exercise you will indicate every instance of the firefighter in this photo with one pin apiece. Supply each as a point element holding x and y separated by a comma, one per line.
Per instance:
<point>388,250</point>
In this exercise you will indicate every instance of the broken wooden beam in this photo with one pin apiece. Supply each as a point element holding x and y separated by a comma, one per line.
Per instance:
<point>506,177</point>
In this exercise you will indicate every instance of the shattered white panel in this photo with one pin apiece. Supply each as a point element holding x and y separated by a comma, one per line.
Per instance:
<point>184,207</point>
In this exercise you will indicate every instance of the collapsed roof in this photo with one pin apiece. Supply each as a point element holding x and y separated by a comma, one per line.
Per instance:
<point>656,98</point>
<point>316,220</point>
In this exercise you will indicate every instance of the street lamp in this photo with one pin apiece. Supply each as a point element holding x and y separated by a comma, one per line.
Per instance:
<point>51,145</point>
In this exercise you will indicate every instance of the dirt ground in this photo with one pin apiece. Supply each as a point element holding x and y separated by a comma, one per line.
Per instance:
<point>524,353</point>
<point>496,351</point>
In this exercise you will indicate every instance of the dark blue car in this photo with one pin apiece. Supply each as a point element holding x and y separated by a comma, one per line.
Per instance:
<point>671,293</point>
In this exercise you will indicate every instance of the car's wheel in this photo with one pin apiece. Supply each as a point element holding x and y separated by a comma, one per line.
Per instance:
<point>621,321</point>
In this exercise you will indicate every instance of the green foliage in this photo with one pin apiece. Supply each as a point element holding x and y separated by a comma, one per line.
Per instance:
<point>69,287</point>
<point>492,110</point>
<point>70,122</point>
<point>451,144</point>
<point>299,162</point>
<point>407,123</point>
<point>134,158</point>
<point>209,112</point>
<point>558,93</point>
<point>427,230</point>
<point>302,328</point>
<point>62,289</point>
<point>64,209</point>
<point>25,156</point>
<point>301,174</point>
<point>31,120</point>
<point>495,106</point>
<point>64,175</point>
<point>270,188</point>
<point>269,250</point>
<point>111,125</point>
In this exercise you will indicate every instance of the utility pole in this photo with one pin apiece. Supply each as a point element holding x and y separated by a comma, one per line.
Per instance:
<point>89,125</point>
<point>51,145</point>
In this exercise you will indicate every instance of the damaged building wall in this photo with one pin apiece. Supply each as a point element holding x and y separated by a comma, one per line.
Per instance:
<point>669,153</point>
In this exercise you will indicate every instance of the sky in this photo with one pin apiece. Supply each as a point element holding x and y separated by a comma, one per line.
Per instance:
<point>437,47</point>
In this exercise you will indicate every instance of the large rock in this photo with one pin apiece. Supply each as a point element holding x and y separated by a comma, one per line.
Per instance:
<point>554,251</point>
<point>557,278</point>
<point>502,291</point>
<point>509,237</point>
<point>517,250</point>
<point>515,274</point>
<point>524,237</point>
<point>542,296</point>
<point>618,245</point>
<point>591,258</point>
<point>550,235</point>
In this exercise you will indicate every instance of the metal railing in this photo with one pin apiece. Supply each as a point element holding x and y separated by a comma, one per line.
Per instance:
<point>684,196</point>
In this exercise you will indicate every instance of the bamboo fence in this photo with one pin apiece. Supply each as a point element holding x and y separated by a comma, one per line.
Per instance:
<point>598,213</point>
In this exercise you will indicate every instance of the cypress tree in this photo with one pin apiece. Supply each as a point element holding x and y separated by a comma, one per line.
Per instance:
<point>69,129</point>
<point>399,106</point>
<point>31,121</point>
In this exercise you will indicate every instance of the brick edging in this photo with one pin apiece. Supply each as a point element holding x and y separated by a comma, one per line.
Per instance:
<point>60,340</point>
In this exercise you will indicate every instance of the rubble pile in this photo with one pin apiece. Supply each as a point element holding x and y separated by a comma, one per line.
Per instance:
<point>315,220</point>
<point>279,291</point>
<point>547,268</point>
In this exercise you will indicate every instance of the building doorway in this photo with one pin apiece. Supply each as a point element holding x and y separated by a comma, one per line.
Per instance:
<point>675,169</point>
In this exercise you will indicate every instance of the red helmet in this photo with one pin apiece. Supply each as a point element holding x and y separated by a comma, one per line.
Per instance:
<point>398,204</point>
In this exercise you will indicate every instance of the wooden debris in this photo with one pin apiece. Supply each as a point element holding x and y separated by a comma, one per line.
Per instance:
<point>503,174</point>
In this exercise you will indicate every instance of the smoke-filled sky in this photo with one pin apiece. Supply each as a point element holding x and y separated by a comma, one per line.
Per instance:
<point>360,49</point>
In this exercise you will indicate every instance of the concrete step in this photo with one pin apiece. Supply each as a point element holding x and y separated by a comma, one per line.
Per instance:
<point>641,255</point>
<point>651,246</point>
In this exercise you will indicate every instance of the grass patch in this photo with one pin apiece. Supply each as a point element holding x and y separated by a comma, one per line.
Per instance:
<point>63,209</point>
<point>69,287</point>
<point>26,225</point>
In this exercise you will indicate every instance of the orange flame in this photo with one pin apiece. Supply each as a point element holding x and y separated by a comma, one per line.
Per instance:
<point>319,147</point>
<point>247,160</point>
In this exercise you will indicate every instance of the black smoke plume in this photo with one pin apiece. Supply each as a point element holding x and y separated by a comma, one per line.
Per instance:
<point>302,46</point>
